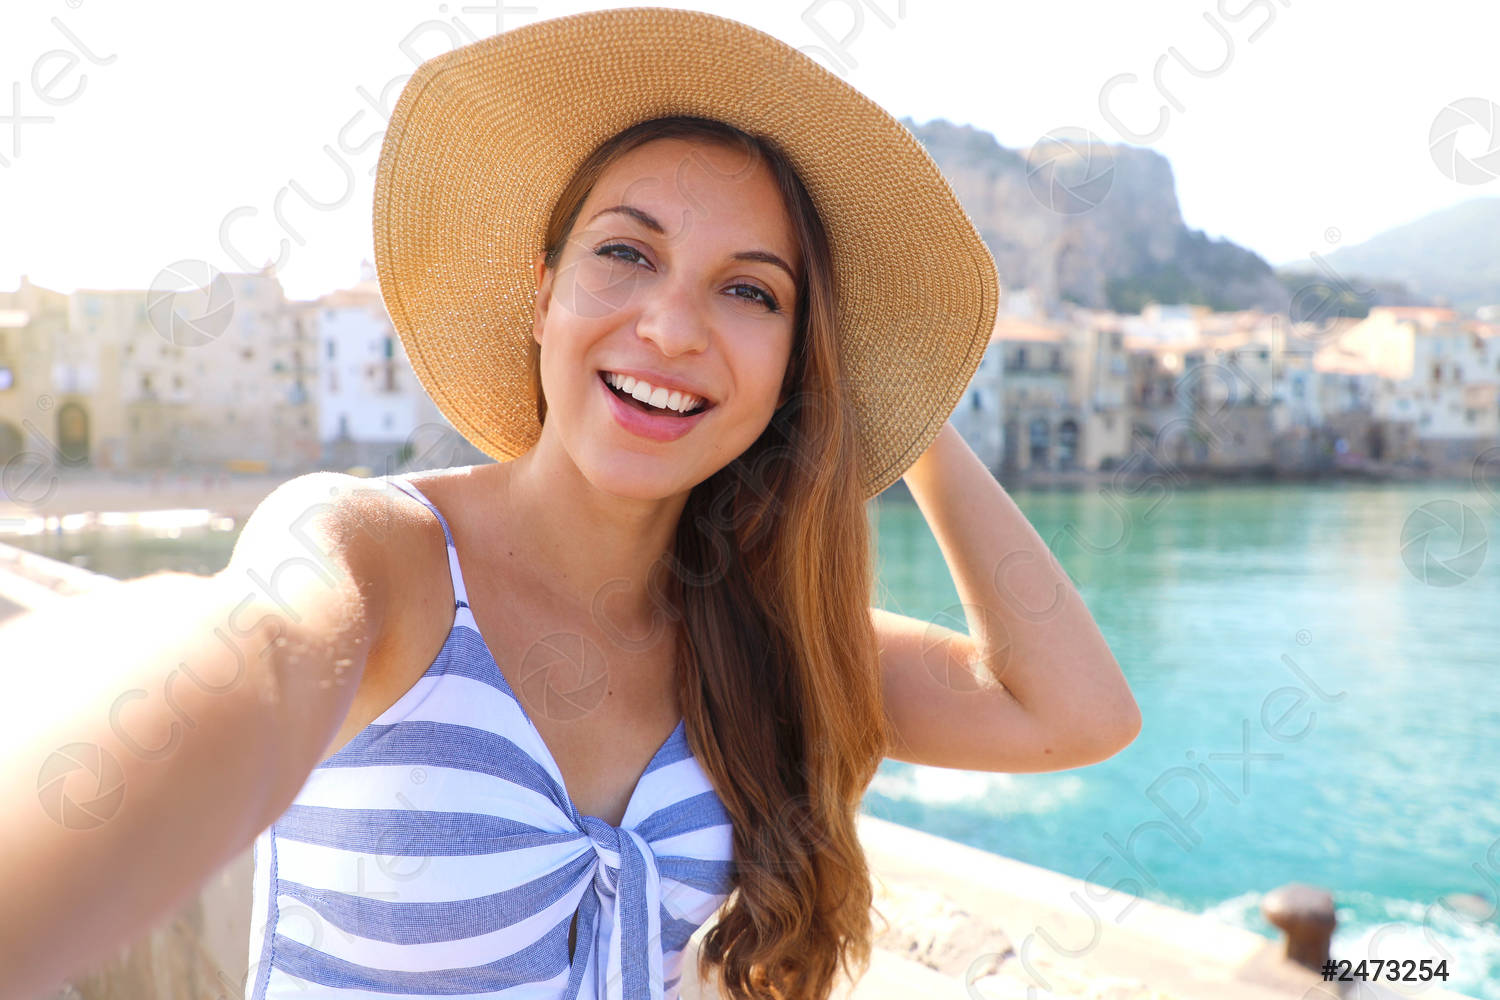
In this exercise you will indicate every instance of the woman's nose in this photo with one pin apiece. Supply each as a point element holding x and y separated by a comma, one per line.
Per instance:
<point>673,318</point>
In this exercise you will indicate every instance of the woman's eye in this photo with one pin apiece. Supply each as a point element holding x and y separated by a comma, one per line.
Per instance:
<point>765,297</point>
<point>606,251</point>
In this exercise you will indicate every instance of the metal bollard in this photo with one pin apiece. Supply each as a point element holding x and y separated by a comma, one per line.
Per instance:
<point>1305,914</point>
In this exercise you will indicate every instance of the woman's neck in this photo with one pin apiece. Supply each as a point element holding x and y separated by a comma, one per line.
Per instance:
<point>586,550</point>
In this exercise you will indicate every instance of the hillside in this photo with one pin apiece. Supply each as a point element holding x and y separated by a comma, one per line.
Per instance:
<point>1452,254</point>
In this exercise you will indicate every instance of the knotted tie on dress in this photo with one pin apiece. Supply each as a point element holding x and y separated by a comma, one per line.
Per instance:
<point>619,920</point>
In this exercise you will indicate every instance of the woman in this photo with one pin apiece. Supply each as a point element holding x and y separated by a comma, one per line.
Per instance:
<point>732,334</point>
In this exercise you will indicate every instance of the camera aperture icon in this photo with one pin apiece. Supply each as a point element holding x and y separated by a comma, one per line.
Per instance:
<point>190,303</point>
<point>81,786</point>
<point>1465,140</point>
<point>1070,170</point>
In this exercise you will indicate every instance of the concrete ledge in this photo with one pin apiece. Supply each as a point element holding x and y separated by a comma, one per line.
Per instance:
<point>1010,929</point>
<point>33,581</point>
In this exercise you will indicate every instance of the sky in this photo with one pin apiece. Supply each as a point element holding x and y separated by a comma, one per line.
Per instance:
<point>134,136</point>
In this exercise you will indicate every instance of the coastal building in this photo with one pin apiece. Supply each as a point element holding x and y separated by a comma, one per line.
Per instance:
<point>1431,369</point>
<point>979,417</point>
<point>1101,387</point>
<point>1042,420</point>
<point>1231,374</point>
<point>213,377</point>
<point>132,378</point>
<point>36,415</point>
<point>1166,324</point>
<point>372,411</point>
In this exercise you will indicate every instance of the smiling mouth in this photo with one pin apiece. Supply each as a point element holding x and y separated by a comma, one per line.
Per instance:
<point>656,411</point>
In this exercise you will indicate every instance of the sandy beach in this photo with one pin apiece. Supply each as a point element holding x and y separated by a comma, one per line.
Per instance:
<point>25,496</point>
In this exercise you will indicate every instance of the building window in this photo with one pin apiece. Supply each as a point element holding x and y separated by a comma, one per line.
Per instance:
<point>330,349</point>
<point>1021,359</point>
<point>390,348</point>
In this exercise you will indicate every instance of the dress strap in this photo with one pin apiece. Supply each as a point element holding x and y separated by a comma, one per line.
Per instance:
<point>460,594</point>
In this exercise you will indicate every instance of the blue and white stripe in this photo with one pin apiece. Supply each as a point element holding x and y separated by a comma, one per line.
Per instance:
<point>438,854</point>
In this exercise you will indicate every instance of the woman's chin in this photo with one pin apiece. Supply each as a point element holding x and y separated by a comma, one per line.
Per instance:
<point>633,477</point>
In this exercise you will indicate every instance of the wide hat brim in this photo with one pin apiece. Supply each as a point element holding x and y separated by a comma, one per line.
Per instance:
<point>484,137</point>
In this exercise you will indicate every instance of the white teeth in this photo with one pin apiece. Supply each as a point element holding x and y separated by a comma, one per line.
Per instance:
<point>658,397</point>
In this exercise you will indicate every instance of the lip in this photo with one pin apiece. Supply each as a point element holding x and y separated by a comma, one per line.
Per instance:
<point>647,425</point>
<point>661,379</point>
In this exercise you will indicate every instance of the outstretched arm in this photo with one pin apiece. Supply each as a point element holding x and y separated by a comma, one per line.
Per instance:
<point>1033,686</point>
<point>150,729</point>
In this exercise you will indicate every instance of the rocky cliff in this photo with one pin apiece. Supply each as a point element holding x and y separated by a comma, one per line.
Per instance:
<point>1094,224</point>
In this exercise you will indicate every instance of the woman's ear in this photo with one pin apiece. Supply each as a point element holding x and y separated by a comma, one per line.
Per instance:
<point>543,296</point>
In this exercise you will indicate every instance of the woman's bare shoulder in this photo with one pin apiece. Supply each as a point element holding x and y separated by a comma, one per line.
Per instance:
<point>332,524</point>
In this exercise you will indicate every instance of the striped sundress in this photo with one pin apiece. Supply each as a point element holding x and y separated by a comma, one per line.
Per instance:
<point>438,854</point>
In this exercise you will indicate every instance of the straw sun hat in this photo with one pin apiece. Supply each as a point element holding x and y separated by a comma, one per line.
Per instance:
<point>484,137</point>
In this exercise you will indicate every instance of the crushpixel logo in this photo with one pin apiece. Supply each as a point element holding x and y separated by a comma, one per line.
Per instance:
<point>1465,140</point>
<point>1443,543</point>
<point>81,785</point>
<point>564,675</point>
<point>1070,170</point>
<point>189,303</point>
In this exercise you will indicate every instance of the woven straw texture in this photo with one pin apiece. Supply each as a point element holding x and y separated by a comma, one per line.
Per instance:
<point>484,137</point>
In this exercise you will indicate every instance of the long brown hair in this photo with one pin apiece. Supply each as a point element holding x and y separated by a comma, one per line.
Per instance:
<point>777,663</point>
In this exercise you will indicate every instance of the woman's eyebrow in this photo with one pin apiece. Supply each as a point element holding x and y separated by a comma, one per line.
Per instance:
<point>649,221</point>
<point>768,257</point>
<point>644,218</point>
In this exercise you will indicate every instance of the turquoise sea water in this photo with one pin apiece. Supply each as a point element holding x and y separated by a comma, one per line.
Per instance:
<point>1228,608</point>
<point>1369,616</point>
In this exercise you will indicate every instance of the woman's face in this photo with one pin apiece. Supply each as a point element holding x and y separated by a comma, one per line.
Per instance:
<point>671,276</point>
